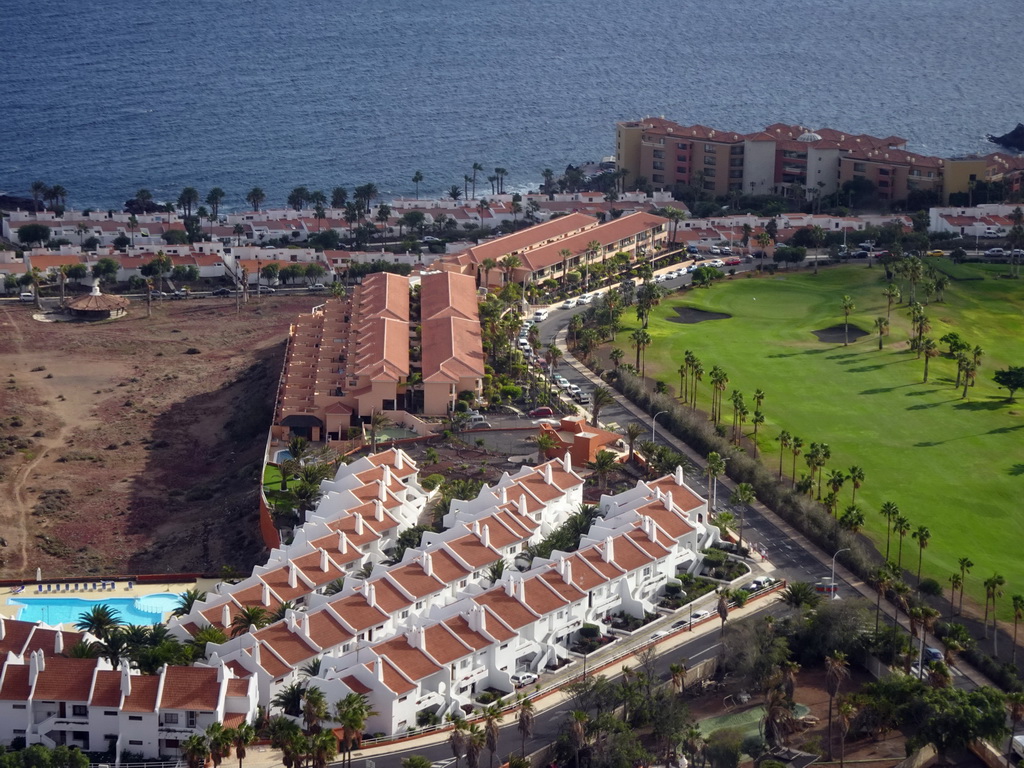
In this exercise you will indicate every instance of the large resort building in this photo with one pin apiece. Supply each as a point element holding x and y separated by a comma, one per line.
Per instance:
<point>791,159</point>
<point>361,354</point>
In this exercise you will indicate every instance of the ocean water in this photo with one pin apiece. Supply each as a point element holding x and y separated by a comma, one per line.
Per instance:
<point>104,96</point>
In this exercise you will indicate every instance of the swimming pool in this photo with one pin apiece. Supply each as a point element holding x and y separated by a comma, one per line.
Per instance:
<point>145,609</point>
<point>282,456</point>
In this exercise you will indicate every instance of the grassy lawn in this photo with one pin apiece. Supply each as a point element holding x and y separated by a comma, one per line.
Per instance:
<point>954,465</point>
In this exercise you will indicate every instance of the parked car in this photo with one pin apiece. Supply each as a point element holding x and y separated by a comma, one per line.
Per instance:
<point>715,250</point>
<point>995,252</point>
<point>569,304</point>
<point>582,398</point>
<point>540,315</point>
<point>935,252</point>
<point>27,296</point>
<point>659,634</point>
<point>733,261</point>
<point>317,287</point>
<point>692,249</point>
<point>573,389</point>
<point>680,624</point>
<point>541,412</point>
<point>222,292</point>
<point>716,263</point>
<point>522,679</point>
<point>586,298</point>
<point>660,278</point>
<point>726,250</point>
<point>860,254</point>
<point>561,382</point>
<point>698,615</point>
<point>933,654</point>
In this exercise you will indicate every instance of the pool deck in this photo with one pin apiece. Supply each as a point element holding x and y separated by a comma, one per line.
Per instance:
<point>120,589</point>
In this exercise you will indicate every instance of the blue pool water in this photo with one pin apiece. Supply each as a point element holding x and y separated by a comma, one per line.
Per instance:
<point>282,456</point>
<point>145,609</point>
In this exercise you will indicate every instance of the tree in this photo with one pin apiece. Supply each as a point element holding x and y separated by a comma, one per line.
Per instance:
<point>603,465</point>
<point>256,197</point>
<point>249,616</point>
<point>901,527</point>
<point>378,421</point>
<point>416,761</point>
<point>742,496</point>
<point>796,446</point>
<point>454,192</point>
<point>965,565</point>
<point>992,592</point>
<point>600,398</point>
<point>100,621</point>
<point>1018,614</point>
<point>352,712</point>
<point>476,739</point>
<point>457,740</point>
<point>634,430</point>
<point>187,200</point>
<point>186,600</point>
<point>951,718</point>
<point>33,233</point>
<point>576,725</point>
<point>314,707</point>
<point>213,199</point>
<point>882,326</point>
<point>837,669</point>
<point>219,740</point>
<point>846,712</point>
<point>921,535</point>
<point>195,749</point>
<point>848,307</point>
<point>641,340</point>
<point>492,716</point>
<point>799,595</point>
<point>930,349</point>
<point>1010,379</point>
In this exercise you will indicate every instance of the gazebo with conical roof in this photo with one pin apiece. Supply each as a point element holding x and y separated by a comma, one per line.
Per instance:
<point>98,306</point>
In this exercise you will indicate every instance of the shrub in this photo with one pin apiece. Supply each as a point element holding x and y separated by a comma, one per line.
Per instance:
<point>191,351</point>
<point>430,482</point>
<point>590,631</point>
<point>930,587</point>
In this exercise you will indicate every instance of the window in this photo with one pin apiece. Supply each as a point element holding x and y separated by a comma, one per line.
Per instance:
<point>658,165</point>
<point>735,174</point>
<point>171,718</point>
<point>404,698</point>
<point>709,147</point>
<point>680,169</point>
<point>859,167</point>
<point>659,153</point>
<point>79,710</point>
<point>710,160</point>
<point>464,582</point>
<point>709,173</point>
<point>736,162</point>
<point>110,713</point>
<point>737,150</point>
<point>419,605</point>
<point>135,742</point>
<point>464,663</point>
<point>345,648</point>
<point>658,178</point>
<point>647,571</point>
<point>405,614</point>
<point>20,706</point>
<point>191,719</point>
<point>681,158</point>
<point>135,717</point>
<point>682,145</point>
<point>883,171</point>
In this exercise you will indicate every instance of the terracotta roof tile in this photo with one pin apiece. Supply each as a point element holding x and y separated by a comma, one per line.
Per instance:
<point>511,611</point>
<point>357,613</point>
<point>106,690</point>
<point>143,694</point>
<point>459,626</point>
<point>412,662</point>
<point>15,682</point>
<point>190,688</point>
<point>64,679</point>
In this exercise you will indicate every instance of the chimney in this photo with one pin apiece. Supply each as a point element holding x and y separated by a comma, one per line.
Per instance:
<point>475,527</point>
<point>399,459</point>
<point>548,476</point>
<point>225,614</point>
<point>609,550</point>
<point>3,628</point>
<point>382,490</point>
<point>378,510</point>
<point>522,505</point>
<point>126,680</point>
<point>58,643</point>
<point>567,462</point>
<point>378,669</point>
<point>324,564</point>
<point>478,619</point>
<point>669,502</point>
<point>265,596</point>
<point>222,672</point>
<point>256,653</point>
<point>368,593</point>
<point>522,590</point>
<point>292,579</point>
<point>510,587</point>
<point>504,495</point>
<point>387,476</point>
<point>290,622</point>
<point>359,525</point>
<point>679,474</point>
<point>305,624</point>
<point>427,563</point>
<point>485,535</point>
<point>567,576</point>
<point>416,638</point>
<point>342,543</point>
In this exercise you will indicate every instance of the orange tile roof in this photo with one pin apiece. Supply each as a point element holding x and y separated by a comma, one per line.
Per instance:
<point>511,611</point>
<point>414,580</point>
<point>357,613</point>
<point>106,690</point>
<point>15,682</point>
<point>530,237</point>
<point>64,679</point>
<point>388,597</point>
<point>443,646</point>
<point>290,646</point>
<point>541,598</point>
<point>393,679</point>
<point>412,662</point>
<point>355,685</point>
<point>446,567</point>
<point>682,496</point>
<point>238,686</point>
<point>326,631</point>
<point>470,550</point>
<point>448,294</point>
<point>143,694</point>
<point>459,626</point>
<point>277,580</point>
<point>190,688</point>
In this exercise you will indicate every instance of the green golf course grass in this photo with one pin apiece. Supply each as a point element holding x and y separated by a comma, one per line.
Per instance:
<point>954,465</point>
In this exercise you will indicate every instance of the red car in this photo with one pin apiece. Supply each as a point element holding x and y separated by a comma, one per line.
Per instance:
<point>540,413</point>
<point>732,262</point>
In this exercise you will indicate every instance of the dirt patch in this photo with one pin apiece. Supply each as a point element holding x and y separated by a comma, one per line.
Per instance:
<point>690,315</point>
<point>836,334</point>
<point>121,452</point>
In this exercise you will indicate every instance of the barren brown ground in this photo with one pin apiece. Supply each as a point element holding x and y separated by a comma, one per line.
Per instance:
<point>121,452</point>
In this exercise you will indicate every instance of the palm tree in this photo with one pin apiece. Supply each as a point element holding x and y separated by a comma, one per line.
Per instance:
<point>848,307</point>
<point>195,749</point>
<point>249,616</point>
<point>241,737</point>
<point>715,467</point>
<point>99,621</point>
<point>545,442</point>
<point>576,727</point>
<point>796,446</point>
<point>186,600</point>
<point>476,739</point>
<point>314,708</point>
<point>856,477</point>
<point>723,611</point>
<point>784,440</point>
<point>837,669</point>
<point>852,519</point>
<point>457,740</point>
<point>799,595</point>
<point>677,673</point>
<point>600,398</point>
<point>323,746</point>
<point>641,340</point>
<point>219,740</point>
<point>891,293</point>
<point>890,512</point>
<point>955,582</point>
<point>922,535</point>
<point>742,496</point>
<point>992,591</point>
<point>256,196</point>
<point>603,465</point>
<point>846,711</point>
<point>416,179</point>
<point>352,712</point>
<point>492,716</point>
<point>930,349</point>
<point>1018,614</point>
<point>763,240</point>
<point>416,761</point>
<point>378,421</point>
<point>901,527</point>
<point>881,325</point>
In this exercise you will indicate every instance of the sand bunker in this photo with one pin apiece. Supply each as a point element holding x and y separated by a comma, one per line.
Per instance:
<point>689,315</point>
<point>835,335</point>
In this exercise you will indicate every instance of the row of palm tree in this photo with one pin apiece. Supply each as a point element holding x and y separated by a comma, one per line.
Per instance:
<point>216,743</point>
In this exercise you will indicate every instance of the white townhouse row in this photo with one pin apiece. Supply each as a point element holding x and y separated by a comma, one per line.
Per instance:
<point>527,620</point>
<point>447,567</point>
<point>50,699</point>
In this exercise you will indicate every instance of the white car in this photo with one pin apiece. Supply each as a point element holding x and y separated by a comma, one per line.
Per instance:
<point>573,389</point>
<point>715,250</point>
<point>727,250</point>
<point>660,278</point>
<point>561,382</point>
<point>586,298</point>
<point>716,263</point>
<point>698,615</point>
<point>522,679</point>
<point>540,315</point>
<point>569,304</point>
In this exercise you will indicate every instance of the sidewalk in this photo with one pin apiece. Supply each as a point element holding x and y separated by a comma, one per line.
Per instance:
<point>796,536</point>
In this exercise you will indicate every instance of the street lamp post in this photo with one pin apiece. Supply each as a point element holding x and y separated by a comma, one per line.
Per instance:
<point>654,423</point>
<point>832,582</point>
